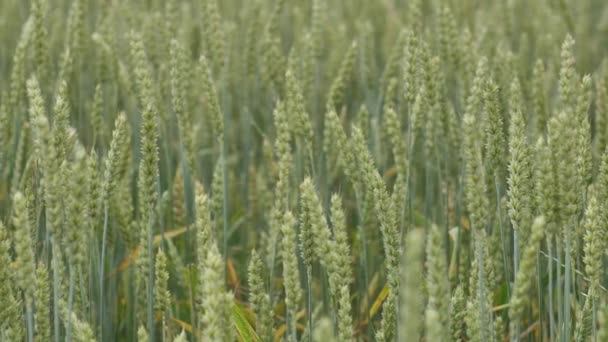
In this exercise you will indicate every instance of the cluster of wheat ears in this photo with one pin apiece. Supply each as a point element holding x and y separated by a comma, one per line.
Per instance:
<point>303,170</point>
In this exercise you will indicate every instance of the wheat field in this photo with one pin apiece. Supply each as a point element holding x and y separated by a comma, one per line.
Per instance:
<point>303,170</point>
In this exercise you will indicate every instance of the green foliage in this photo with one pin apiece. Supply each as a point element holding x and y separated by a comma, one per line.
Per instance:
<point>385,160</point>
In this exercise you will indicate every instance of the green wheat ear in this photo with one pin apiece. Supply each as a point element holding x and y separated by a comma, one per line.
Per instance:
<point>40,41</point>
<point>594,243</point>
<point>567,75</point>
<point>520,170</point>
<point>94,195</point>
<point>457,315</point>
<point>316,235</point>
<point>210,91</point>
<point>148,168</point>
<point>116,155</point>
<point>215,301</point>
<point>213,33</point>
<point>437,283</point>
<point>494,130</point>
<point>182,337</point>
<point>391,70</point>
<point>475,190</point>
<point>81,329</point>
<point>525,275</point>
<point>342,251</point>
<point>142,334</point>
<point>77,209</point>
<point>409,68</point>
<point>11,312</point>
<point>539,96</point>
<point>24,248</point>
<point>259,297</point>
<point>16,92</point>
<point>293,290</point>
<point>179,91</point>
<point>306,236</point>
<point>162,296</point>
<point>217,196</point>
<point>43,303</point>
<point>474,326</point>
<point>336,92</point>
